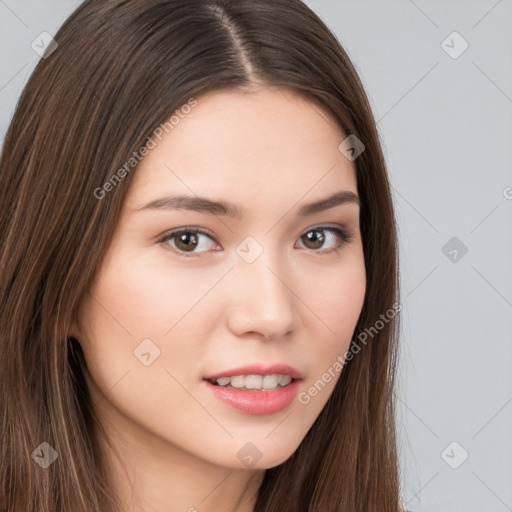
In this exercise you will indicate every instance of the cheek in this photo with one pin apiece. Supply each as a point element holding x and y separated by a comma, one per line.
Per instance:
<point>147,297</point>
<point>336,297</point>
<point>135,300</point>
<point>134,309</point>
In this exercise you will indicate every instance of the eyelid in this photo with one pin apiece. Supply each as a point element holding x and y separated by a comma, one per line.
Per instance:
<point>189,229</point>
<point>186,229</point>
<point>346,235</point>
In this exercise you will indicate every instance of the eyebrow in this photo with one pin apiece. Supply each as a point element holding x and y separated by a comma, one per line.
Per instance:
<point>207,206</point>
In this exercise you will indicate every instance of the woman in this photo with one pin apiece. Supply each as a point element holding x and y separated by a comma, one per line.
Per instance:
<point>199,275</point>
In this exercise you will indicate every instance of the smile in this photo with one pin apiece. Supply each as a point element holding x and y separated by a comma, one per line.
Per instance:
<point>253,382</point>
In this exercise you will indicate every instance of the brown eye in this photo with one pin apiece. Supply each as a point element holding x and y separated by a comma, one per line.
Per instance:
<point>315,238</point>
<point>186,241</point>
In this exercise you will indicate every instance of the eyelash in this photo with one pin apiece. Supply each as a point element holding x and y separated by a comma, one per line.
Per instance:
<point>345,236</point>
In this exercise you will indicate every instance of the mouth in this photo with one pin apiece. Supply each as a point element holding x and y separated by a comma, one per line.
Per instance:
<point>250,382</point>
<point>256,389</point>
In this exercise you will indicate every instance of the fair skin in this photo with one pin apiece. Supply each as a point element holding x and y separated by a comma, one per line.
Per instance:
<point>269,153</point>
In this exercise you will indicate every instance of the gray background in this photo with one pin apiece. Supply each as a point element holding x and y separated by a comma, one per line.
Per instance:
<point>446,127</point>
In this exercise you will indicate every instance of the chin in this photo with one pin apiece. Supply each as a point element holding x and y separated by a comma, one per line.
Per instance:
<point>249,456</point>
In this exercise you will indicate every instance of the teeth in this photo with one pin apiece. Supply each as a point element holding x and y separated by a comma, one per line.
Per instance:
<point>270,381</point>
<point>247,382</point>
<point>284,380</point>
<point>238,381</point>
<point>253,381</point>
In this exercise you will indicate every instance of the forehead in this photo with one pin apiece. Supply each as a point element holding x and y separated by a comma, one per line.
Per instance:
<point>243,144</point>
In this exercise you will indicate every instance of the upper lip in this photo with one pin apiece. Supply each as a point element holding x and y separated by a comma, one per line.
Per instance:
<point>258,369</point>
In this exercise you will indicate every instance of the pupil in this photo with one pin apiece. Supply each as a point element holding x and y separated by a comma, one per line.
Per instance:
<point>185,239</point>
<point>318,239</point>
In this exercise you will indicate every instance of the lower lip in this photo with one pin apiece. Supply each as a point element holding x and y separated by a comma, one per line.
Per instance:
<point>258,403</point>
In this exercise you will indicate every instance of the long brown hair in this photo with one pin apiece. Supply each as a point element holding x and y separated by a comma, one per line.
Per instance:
<point>120,69</point>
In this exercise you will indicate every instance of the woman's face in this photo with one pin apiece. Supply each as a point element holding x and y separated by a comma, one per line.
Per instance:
<point>191,293</point>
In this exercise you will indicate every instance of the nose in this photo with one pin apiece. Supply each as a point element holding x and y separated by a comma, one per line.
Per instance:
<point>262,299</point>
